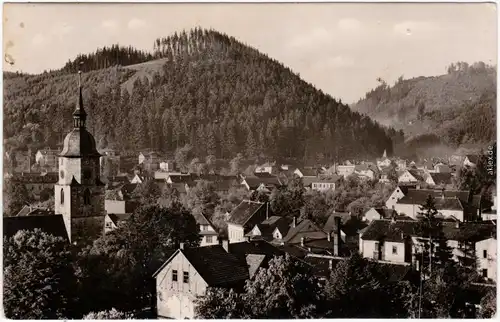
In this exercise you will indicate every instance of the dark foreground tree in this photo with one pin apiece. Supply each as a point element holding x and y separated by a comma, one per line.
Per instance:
<point>284,290</point>
<point>489,305</point>
<point>116,271</point>
<point>38,276</point>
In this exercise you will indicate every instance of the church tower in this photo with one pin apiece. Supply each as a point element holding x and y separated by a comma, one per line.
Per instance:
<point>79,193</point>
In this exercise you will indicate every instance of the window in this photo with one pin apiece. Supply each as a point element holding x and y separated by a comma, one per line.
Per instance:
<point>209,239</point>
<point>174,275</point>
<point>185,277</point>
<point>394,250</point>
<point>62,196</point>
<point>86,197</point>
<point>108,224</point>
<point>485,253</point>
<point>485,272</point>
<point>204,228</point>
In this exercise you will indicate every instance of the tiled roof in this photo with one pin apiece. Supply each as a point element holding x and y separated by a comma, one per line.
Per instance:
<point>117,218</point>
<point>254,182</point>
<point>330,222</point>
<point>179,187</point>
<point>50,224</point>
<point>216,266</point>
<point>294,250</point>
<point>441,178</point>
<point>24,211</point>
<point>49,177</point>
<point>308,181</point>
<point>419,196</point>
<point>309,172</point>
<point>417,174</point>
<point>330,179</point>
<point>200,218</point>
<point>392,231</point>
<point>244,211</point>
<point>128,188</point>
<point>404,187</point>
<point>305,229</point>
<point>473,158</point>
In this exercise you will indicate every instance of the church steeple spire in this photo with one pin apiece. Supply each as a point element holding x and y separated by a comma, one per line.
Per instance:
<point>79,115</point>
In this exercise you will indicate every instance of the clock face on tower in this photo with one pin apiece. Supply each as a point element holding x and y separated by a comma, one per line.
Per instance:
<point>86,162</point>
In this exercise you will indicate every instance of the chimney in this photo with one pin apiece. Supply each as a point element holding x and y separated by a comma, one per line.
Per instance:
<point>302,241</point>
<point>402,236</point>
<point>336,236</point>
<point>329,236</point>
<point>267,210</point>
<point>330,264</point>
<point>457,224</point>
<point>181,246</point>
<point>225,245</point>
<point>442,193</point>
<point>294,224</point>
<point>418,187</point>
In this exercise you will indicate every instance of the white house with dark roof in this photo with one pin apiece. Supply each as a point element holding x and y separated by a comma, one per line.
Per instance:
<point>244,217</point>
<point>438,179</point>
<point>345,170</point>
<point>307,172</point>
<point>399,192</point>
<point>111,221</point>
<point>207,231</point>
<point>471,160</point>
<point>188,272</point>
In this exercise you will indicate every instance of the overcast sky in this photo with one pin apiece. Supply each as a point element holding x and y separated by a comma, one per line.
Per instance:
<point>340,48</point>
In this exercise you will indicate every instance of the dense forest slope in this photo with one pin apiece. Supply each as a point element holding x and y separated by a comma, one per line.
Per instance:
<point>201,88</point>
<point>453,110</point>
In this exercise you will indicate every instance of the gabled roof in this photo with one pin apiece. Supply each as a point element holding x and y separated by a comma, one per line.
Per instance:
<point>473,158</point>
<point>441,178</point>
<point>201,219</point>
<point>216,266</point>
<point>388,230</point>
<point>418,196</point>
<point>305,229</point>
<point>469,231</point>
<point>254,182</point>
<point>24,211</point>
<point>244,211</point>
<point>385,213</point>
<point>309,172</point>
<point>117,218</point>
<point>330,225</point>
<point>416,174</point>
<point>268,226</point>
<point>404,187</point>
<point>128,188</point>
<point>50,224</point>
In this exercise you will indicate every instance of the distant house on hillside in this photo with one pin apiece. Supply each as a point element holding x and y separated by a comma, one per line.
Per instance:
<point>261,183</point>
<point>47,159</point>
<point>324,184</point>
<point>345,170</point>
<point>307,172</point>
<point>439,179</point>
<point>150,160</point>
<point>411,176</point>
<point>471,160</point>
<point>365,171</point>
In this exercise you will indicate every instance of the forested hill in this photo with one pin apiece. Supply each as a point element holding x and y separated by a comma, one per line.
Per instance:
<point>202,88</point>
<point>456,109</point>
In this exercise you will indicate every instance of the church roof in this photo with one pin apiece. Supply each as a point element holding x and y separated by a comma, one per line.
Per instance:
<point>79,142</point>
<point>49,224</point>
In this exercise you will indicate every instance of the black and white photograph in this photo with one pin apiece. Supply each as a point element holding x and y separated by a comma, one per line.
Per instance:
<point>249,160</point>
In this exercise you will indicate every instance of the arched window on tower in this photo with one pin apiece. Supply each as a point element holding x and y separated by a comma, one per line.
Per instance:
<point>62,196</point>
<point>86,197</point>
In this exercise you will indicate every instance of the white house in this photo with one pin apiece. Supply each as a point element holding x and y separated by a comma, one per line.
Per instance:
<point>207,230</point>
<point>188,272</point>
<point>265,168</point>
<point>364,170</point>
<point>307,172</point>
<point>47,159</point>
<point>387,240</point>
<point>486,254</point>
<point>398,193</point>
<point>443,179</point>
<point>325,184</point>
<point>379,213</point>
<point>244,217</point>
<point>167,166</point>
<point>345,170</point>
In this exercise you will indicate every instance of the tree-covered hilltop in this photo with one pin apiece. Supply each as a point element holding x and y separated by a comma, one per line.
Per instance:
<point>203,88</point>
<point>455,109</point>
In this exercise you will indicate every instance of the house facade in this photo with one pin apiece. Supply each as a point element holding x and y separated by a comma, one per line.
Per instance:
<point>486,254</point>
<point>47,159</point>
<point>209,235</point>
<point>244,217</point>
<point>410,176</point>
<point>345,170</point>
<point>325,184</point>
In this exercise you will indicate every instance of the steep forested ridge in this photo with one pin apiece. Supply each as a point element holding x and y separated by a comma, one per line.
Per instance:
<point>203,88</point>
<point>455,109</point>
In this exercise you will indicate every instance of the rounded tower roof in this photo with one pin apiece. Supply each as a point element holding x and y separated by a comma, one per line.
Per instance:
<point>79,142</point>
